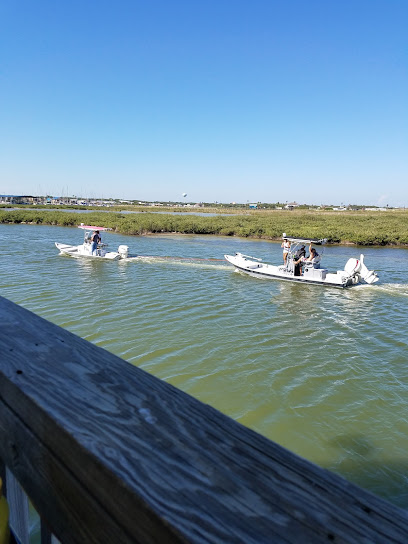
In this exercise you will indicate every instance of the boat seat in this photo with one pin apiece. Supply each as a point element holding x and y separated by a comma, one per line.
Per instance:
<point>314,263</point>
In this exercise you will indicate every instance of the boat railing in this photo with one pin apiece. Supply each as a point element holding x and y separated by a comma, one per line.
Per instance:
<point>107,453</point>
<point>249,257</point>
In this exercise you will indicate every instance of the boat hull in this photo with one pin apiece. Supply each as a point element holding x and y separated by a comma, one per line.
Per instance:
<point>81,252</point>
<point>267,271</point>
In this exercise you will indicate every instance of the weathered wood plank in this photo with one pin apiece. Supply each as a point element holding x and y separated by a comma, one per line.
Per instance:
<point>109,453</point>
<point>18,505</point>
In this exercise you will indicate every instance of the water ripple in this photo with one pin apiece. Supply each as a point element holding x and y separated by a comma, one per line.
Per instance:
<point>321,371</point>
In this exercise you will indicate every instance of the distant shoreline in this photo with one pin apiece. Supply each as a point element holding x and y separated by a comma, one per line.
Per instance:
<point>365,228</point>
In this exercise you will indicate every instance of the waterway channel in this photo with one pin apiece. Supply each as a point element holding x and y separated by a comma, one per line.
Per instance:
<point>321,371</point>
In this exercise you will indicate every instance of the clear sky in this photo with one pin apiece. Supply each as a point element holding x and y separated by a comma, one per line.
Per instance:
<point>225,100</point>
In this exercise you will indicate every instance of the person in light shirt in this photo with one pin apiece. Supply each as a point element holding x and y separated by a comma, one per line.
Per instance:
<point>286,246</point>
<point>303,259</point>
<point>312,254</point>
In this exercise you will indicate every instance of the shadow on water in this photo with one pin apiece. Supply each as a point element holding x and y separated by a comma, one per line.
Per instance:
<point>353,444</point>
<point>359,464</point>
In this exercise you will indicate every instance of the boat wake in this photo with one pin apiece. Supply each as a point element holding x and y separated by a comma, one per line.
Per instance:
<point>181,261</point>
<point>394,289</point>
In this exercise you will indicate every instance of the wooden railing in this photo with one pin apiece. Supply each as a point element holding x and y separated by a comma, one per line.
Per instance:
<point>109,454</point>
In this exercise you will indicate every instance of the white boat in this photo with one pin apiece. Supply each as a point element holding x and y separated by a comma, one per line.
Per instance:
<point>85,249</point>
<point>311,272</point>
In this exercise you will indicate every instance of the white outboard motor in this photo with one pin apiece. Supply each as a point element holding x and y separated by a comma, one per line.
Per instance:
<point>123,251</point>
<point>352,267</point>
<point>356,267</point>
<point>369,276</point>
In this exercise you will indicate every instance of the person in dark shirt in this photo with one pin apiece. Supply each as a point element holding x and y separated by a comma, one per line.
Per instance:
<point>299,257</point>
<point>95,240</point>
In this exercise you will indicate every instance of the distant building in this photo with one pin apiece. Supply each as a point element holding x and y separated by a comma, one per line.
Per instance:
<point>6,199</point>
<point>17,199</point>
<point>291,205</point>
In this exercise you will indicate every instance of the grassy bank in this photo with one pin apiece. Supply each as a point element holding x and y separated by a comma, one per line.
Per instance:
<point>360,227</point>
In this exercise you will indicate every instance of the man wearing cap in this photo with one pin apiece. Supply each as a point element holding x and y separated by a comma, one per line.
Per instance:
<point>299,258</point>
<point>96,239</point>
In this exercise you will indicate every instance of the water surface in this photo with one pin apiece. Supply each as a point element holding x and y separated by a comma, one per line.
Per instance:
<point>321,371</point>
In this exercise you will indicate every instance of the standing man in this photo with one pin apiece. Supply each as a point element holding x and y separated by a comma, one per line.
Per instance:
<point>96,239</point>
<point>300,256</point>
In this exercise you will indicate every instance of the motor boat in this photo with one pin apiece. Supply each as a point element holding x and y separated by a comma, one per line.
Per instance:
<point>85,249</point>
<point>302,270</point>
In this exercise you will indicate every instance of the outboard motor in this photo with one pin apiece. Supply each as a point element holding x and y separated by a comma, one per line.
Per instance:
<point>356,267</point>
<point>352,267</point>
<point>369,276</point>
<point>123,251</point>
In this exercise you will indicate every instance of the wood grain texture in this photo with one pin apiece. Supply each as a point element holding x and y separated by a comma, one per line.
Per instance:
<point>18,503</point>
<point>110,454</point>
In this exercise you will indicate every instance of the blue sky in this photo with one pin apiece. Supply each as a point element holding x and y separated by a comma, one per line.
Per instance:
<point>226,100</point>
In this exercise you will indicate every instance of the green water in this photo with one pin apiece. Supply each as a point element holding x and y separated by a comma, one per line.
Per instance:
<point>321,371</point>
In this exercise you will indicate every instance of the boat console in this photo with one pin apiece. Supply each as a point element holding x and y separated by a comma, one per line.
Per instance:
<point>312,273</point>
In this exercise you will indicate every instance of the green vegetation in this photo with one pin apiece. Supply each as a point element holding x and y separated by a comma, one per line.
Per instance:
<point>356,227</point>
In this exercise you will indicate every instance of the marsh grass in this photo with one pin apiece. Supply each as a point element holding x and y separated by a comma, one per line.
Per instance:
<point>355,227</point>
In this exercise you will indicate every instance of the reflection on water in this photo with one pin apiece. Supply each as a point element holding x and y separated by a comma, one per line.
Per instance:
<point>321,371</point>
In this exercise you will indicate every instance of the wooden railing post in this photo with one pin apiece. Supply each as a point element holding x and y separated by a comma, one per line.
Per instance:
<point>19,517</point>
<point>4,517</point>
<point>18,503</point>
